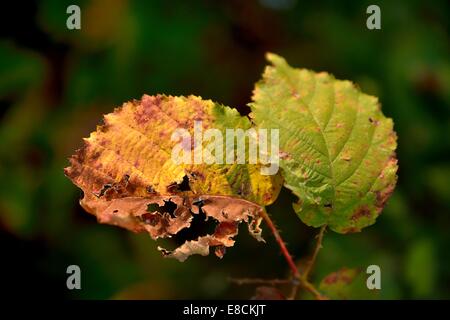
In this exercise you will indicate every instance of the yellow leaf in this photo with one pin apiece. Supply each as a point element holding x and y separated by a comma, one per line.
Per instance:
<point>130,177</point>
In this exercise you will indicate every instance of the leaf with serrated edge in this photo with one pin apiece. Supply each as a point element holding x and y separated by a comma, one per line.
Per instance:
<point>337,149</point>
<point>126,172</point>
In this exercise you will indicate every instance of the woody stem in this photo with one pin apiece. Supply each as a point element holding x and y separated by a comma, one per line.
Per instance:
<point>302,279</point>
<point>281,243</point>
<point>318,246</point>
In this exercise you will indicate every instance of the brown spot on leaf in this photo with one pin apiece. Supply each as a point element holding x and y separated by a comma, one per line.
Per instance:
<point>284,155</point>
<point>361,212</point>
<point>196,175</point>
<point>351,230</point>
<point>373,121</point>
<point>172,188</point>
<point>331,278</point>
<point>150,189</point>
<point>146,109</point>
<point>383,196</point>
<point>344,276</point>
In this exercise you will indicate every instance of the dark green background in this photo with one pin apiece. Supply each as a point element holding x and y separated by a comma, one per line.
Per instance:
<point>55,84</point>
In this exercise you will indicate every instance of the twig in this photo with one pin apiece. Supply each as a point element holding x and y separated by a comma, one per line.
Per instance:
<point>316,251</point>
<point>297,279</point>
<point>294,291</point>
<point>272,282</point>
<point>281,243</point>
<point>304,278</point>
<point>308,286</point>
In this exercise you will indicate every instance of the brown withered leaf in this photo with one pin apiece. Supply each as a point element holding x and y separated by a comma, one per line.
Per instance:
<point>229,213</point>
<point>129,179</point>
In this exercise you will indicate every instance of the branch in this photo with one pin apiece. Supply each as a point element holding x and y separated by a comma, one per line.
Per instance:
<point>318,246</point>
<point>272,282</point>
<point>308,286</point>
<point>281,243</point>
<point>297,279</point>
<point>304,279</point>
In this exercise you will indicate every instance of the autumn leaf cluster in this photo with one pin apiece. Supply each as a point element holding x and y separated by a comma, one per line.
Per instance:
<point>337,155</point>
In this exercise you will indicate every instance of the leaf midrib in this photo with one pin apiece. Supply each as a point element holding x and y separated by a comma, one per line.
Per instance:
<point>293,87</point>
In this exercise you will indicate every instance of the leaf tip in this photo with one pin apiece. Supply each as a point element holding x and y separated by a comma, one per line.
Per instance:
<point>275,59</point>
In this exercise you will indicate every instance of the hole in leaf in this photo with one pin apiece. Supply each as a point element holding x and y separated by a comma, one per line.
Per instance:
<point>105,188</point>
<point>184,185</point>
<point>179,187</point>
<point>169,207</point>
<point>199,227</point>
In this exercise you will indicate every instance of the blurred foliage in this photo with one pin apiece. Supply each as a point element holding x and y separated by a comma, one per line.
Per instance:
<point>55,84</point>
<point>346,284</point>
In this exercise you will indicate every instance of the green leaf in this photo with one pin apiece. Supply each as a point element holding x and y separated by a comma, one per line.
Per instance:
<point>337,149</point>
<point>346,284</point>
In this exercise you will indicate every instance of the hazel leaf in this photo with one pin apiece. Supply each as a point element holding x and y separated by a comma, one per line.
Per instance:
<point>131,178</point>
<point>337,149</point>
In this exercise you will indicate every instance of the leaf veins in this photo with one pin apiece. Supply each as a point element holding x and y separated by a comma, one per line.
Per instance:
<point>129,179</point>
